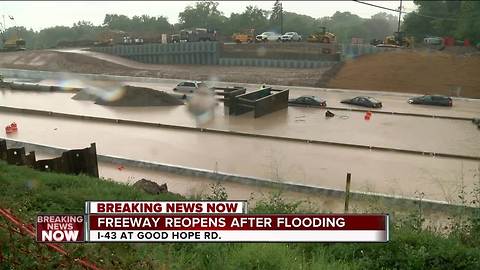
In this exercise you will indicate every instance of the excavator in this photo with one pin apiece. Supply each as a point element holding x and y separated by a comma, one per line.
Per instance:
<point>322,36</point>
<point>12,43</point>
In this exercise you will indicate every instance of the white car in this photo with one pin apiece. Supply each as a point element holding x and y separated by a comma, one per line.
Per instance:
<point>291,36</point>
<point>268,36</point>
<point>188,86</point>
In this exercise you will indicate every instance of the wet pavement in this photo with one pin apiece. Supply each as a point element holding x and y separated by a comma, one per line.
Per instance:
<point>382,130</point>
<point>302,163</point>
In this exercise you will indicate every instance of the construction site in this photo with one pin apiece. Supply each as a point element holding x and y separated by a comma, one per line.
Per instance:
<point>122,106</point>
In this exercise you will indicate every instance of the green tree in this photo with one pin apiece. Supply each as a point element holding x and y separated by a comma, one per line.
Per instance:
<point>444,18</point>
<point>302,24</point>
<point>346,25</point>
<point>276,16</point>
<point>380,25</point>
<point>252,18</point>
<point>204,14</point>
<point>469,21</point>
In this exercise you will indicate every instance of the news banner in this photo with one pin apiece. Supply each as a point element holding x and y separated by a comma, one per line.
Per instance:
<point>204,221</point>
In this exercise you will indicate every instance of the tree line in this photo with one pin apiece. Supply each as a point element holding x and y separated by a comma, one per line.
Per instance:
<point>460,19</point>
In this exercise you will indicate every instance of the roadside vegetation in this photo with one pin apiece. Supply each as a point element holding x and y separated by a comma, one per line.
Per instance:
<point>27,192</point>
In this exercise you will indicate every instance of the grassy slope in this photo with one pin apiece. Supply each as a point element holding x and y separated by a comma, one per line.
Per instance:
<point>27,192</point>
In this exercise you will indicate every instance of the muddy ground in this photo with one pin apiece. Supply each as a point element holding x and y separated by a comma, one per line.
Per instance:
<point>422,71</point>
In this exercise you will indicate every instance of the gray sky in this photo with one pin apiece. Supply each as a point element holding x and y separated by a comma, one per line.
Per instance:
<point>42,14</point>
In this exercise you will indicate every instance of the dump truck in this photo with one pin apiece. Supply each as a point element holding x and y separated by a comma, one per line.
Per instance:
<point>197,34</point>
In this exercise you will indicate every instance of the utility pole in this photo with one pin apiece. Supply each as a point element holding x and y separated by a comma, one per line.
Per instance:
<point>281,18</point>
<point>399,15</point>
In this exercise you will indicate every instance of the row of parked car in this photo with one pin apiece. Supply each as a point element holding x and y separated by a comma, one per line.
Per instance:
<point>272,36</point>
<point>370,102</point>
<point>364,101</point>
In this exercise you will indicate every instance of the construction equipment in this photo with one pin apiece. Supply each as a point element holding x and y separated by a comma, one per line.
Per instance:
<point>110,37</point>
<point>322,36</point>
<point>14,42</point>
<point>397,39</point>
<point>247,36</point>
<point>198,34</point>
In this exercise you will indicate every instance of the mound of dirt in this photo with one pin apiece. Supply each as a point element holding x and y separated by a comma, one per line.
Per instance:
<point>58,61</point>
<point>418,71</point>
<point>133,96</point>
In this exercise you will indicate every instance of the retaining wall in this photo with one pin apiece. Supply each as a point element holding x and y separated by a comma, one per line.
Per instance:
<point>277,63</point>
<point>203,53</point>
<point>354,50</point>
<point>200,53</point>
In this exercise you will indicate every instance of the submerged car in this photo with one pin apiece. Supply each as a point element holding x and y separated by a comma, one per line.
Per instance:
<point>308,101</point>
<point>363,101</point>
<point>188,86</point>
<point>436,100</point>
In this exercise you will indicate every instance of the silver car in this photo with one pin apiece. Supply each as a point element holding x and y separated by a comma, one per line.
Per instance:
<point>188,86</point>
<point>268,36</point>
<point>291,36</point>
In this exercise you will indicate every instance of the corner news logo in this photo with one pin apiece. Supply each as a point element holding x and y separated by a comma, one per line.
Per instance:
<point>60,228</point>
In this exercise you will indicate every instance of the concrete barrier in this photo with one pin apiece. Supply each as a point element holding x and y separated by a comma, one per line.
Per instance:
<point>248,180</point>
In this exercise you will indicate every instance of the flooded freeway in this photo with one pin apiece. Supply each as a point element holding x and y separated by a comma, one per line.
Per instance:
<point>302,163</point>
<point>382,130</point>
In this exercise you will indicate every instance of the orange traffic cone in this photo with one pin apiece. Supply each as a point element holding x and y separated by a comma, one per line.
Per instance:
<point>13,126</point>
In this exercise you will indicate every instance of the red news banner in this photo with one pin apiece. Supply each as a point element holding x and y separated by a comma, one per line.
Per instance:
<point>214,221</point>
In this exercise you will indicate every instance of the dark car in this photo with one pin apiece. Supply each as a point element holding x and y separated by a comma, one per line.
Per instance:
<point>431,100</point>
<point>363,101</point>
<point>308,101</point>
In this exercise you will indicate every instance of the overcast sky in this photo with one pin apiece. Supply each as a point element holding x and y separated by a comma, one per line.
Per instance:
<point>41,14</point>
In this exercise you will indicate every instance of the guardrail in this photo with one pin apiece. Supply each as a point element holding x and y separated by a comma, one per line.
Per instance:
<point>239,133</point>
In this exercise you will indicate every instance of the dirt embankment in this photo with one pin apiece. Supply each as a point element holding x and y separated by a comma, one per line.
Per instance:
<point>89,63</point>
<point>433,72</point>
